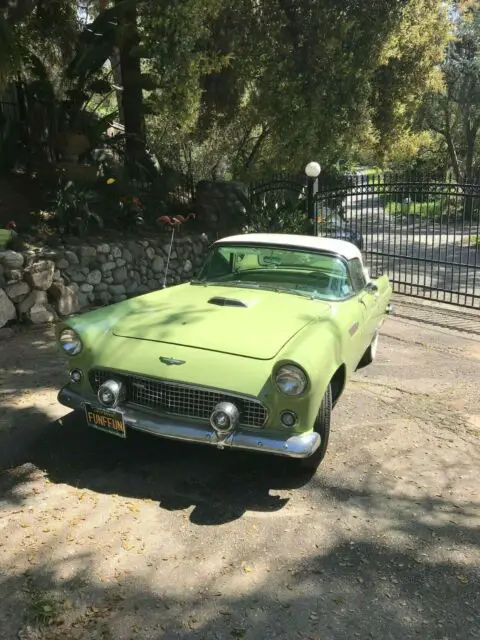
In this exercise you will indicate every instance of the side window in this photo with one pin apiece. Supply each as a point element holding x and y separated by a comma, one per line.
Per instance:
<point>357,274</point>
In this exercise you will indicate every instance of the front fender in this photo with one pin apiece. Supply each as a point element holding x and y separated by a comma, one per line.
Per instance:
<point>318,349</point>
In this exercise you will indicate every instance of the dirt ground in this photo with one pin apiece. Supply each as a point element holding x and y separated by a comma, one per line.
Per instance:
<point>103,538</point>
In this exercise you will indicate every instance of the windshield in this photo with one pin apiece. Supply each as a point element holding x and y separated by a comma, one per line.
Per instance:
<point>291,270</point>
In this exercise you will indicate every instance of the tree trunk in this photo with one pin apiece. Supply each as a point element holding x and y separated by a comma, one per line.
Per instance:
<point>452,152</point>
<point>471,137</point>
<point>116,71</point>
<point>132,96</point>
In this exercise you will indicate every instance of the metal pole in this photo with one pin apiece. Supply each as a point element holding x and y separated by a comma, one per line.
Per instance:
<point>310,205</point>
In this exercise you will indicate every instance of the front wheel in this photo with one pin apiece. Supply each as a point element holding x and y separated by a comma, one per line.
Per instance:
<point>322,427</point>
<point>370,354</point>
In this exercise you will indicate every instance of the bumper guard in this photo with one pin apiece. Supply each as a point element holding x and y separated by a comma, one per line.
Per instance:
<point>298,446</point>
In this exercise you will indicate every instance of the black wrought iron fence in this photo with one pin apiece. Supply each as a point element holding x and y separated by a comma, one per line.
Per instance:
<point>423,232</point>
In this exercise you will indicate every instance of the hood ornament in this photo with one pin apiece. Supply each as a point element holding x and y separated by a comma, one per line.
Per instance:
<point>171,361</point>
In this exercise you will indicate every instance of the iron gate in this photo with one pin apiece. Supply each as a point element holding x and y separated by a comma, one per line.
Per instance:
<point>424,233</point>
<point>278,203</point>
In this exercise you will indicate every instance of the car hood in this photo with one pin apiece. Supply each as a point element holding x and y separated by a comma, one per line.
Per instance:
<point>246,322</point>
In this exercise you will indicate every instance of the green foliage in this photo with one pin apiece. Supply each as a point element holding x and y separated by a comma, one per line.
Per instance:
<point>243,89</point>
<point>453,110</point>
<point>73,208</point>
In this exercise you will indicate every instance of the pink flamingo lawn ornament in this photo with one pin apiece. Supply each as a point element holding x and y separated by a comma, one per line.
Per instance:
<point>174,222</point>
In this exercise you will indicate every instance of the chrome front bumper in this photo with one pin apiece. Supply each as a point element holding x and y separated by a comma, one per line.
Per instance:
<point>300,446</point>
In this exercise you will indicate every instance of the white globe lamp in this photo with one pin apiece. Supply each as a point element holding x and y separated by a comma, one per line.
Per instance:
<point>313,169</point>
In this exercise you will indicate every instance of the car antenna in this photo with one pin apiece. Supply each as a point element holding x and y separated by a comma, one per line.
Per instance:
<point>173,222</point>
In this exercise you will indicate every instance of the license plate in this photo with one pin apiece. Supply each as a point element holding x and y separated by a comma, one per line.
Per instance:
<point>106,420</point>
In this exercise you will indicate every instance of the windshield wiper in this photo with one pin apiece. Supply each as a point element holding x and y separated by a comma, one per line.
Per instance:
<point>253,285</point>
<point>227,283</point>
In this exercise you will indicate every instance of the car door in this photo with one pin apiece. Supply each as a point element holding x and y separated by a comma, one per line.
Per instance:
<point>368,297</point>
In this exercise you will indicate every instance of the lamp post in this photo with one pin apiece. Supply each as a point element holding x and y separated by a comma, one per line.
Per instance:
<point>312,171</point>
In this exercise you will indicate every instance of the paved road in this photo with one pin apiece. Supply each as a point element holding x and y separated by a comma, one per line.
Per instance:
<point>421,257</point>
<point>145,539</point>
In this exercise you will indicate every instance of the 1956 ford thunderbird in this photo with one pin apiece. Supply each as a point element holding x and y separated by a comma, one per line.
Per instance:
<point>252,354</point>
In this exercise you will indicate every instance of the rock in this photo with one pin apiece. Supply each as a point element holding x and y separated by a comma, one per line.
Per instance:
<point>65,297</point>
<point>78,276</point>
<point>40,274</point>
<point>142,289</point>
<point>135,248</point>
<point>86,288</point>
<point>121,262</point>
<point>18,291</point>
<point>108,266</point>
<point>117,289</point>
<point>150,253</point>
<point>35,298</point>
<point>127,256</point>
<point>71,257</point>
<point>7,309</point>
<point>14,275</point>
<point>101,286</point>
<point>103,248</point>
<point>158,265</point>
<point>152,285</point>
<point>6,333</point>
<point>116,252</point>
<point>87,254</point>
<point>57,276</point>
<point>83,300</point>
<point>187,267</point>
<point>94,277</point>
<point>11,259</point>
<point>135,275</point>
<point>120,298</point>
<point>103,297</point>
<point>131,287</point>
<point>119,275</point>
<point>40,314</point>
<point>63,264</point>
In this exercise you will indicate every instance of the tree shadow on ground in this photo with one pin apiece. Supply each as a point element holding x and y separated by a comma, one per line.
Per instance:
<point>221,485</point>
<point>357,588</point>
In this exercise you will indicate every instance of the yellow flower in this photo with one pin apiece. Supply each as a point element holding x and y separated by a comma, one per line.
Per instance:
<point>110,180</point>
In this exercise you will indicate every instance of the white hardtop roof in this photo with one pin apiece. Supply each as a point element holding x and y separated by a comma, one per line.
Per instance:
<point>341,247</point>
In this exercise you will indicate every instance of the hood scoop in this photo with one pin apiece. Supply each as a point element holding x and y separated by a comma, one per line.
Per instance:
<point>226,302</point>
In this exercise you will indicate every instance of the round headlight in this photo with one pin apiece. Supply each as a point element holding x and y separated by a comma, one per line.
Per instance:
<point>291,380</point>
<point>70,342</point>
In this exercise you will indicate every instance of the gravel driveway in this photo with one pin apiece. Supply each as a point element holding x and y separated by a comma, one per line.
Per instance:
<point>149,539</point>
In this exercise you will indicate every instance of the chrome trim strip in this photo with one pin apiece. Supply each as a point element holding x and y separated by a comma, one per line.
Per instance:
<point>298,446</point>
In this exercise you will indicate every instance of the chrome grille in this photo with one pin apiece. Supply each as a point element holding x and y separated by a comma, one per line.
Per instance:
<point>180,400</point>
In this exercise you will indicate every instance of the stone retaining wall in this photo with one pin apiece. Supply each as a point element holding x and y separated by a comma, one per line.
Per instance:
<point>41,285</point>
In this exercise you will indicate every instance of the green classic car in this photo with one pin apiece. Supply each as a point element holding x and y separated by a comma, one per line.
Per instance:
<point>252,354</point>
